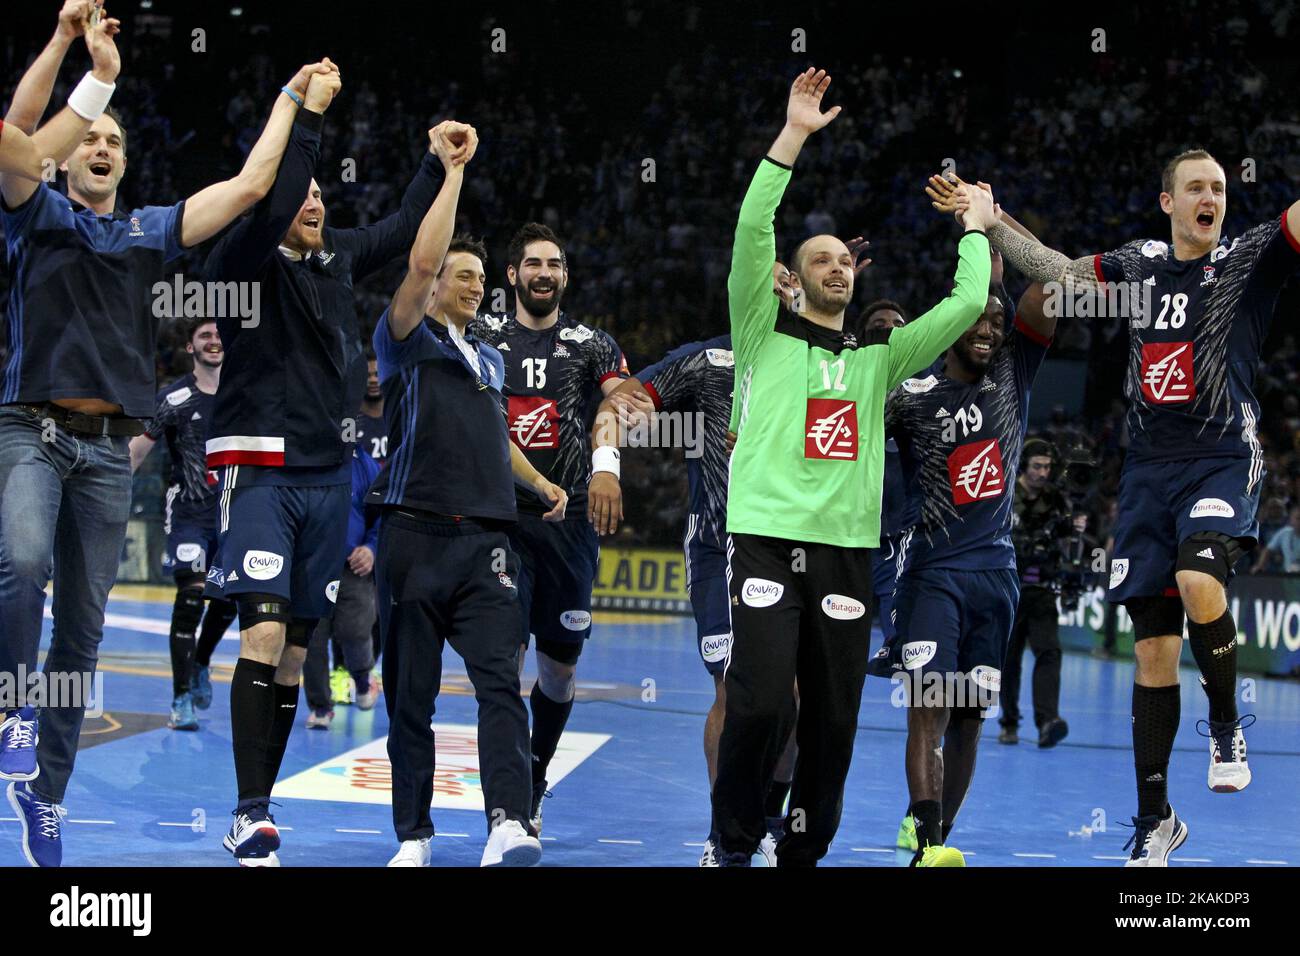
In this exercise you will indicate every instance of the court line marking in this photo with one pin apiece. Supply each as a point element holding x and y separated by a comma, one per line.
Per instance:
<point>1096,857</point>
<point>869,849</point>
<point>466,835</point>
<point>350,830</point>
<point>622,842</point>
<point>1269,862</point>
<point>188,826</point>
<point>1194,859</point>
<point>103,822</point>
<point>1032,856</point>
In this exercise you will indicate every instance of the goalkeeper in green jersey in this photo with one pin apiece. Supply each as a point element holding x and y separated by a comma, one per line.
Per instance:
<point>804,496</point>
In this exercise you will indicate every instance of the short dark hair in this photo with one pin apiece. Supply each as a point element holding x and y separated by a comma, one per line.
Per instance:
<point>116,117</point>
<point>529,233</point>
<point>370,354</point>
<point>1171,167</point>
<point>192,329</point>
<point>881,304</point>
<point>466,243</point>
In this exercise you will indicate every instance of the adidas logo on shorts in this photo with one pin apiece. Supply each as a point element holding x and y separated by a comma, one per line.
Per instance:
<point>1207,553</point>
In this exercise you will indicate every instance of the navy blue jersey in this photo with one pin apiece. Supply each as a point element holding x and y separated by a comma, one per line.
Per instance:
<point>553,385</point>
<point>372,437</point>
<point>893,497</point>
<point>960,444</point>
<point>181,417</point>
<point>80,320</point>
<point>698,378</point>
<point>448,448</point>
<point>1192,362</point>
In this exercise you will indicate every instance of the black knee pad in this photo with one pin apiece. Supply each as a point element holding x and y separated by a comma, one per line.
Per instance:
<point>1210,552</point>
<point>562,652</point>
<point>1155,616</point>
<point>960,714</point>
<point>187,612</point>
<point>257,608</point>
<point>299,631</point>
<point>189,579</point>
<point>221,614</point>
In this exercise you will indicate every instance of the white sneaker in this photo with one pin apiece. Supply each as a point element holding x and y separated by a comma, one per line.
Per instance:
<point>320,719</point>
<point>1154,839</point>
<point>766,855</point>
<point>413,853</point>
<point>1229,771</point>
<point>510,845</point>
<point>710,855</point>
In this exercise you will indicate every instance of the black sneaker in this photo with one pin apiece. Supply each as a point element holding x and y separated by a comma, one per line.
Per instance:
<point>535,810</point>
<point>1010,734</point>
<point>1053,732</point>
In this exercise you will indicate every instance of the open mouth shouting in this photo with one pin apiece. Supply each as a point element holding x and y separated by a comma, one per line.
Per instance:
<point>100,168</point>
<point>1205,219</point>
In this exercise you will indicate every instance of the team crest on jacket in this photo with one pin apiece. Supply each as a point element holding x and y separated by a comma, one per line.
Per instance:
<point>505,579</point>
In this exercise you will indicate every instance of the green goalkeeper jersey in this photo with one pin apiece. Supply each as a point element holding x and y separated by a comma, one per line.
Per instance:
<point>809,401</point>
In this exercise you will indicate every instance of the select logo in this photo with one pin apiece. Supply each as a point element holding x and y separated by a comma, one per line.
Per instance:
<point>263,565</point>
<point>78,909</point>
<point>759,592</point>
<point>843,608</point>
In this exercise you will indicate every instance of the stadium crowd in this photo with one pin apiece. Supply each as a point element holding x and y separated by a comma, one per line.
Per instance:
<point>647,206</point>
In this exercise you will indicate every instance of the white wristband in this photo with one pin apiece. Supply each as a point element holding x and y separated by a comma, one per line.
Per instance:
<point>90,97</point>
<point>605,458</point>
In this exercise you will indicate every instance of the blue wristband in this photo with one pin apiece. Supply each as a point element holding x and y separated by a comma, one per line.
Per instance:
<point>292,95</point>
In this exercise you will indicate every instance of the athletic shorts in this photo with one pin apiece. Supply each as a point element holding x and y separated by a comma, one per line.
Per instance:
<point>884,571</point>
<point>283,540</point>
<point>951,623</point>
<point>706,584</point>
<point>1164,503</point>
<point>191,549</point>
<point>557,565</point>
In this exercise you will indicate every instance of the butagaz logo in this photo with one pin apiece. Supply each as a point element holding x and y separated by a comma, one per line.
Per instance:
<point>975,472</point>
<point>332,592</point>
<point>575,620</point>
<point>759,592</point>
<point>75,908</point>
<point>505,579</point>
<point>831,430</point>
<point>1167,372</point>
<point>188,552</point>
<point>179,396</point>
<point>560,351</point>
<point>918,653</point>
<point>843,608</point>
<point>137,230</point>
<point>715,648</point>
<point>262,565</point>
<point>1212,508</point>
<point>1155,249</point>
<point>723,358</point>
<point>579,334</point>
<point>534,422</point>
<point>1209,278</point>
<point>1118,571</point>
<point>990,678</point>
<point>916,386</point>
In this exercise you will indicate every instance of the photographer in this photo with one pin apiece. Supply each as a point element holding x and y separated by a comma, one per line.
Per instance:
<point>1042,531</point>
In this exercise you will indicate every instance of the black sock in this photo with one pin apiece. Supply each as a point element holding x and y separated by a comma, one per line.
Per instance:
<point>549,718</point>
<point>286,711</point>
<point>774,805</point>
<point>928,815</point>
<point>252,712</point>
<point>362,680</point>
<point>182,648</point>
<point>1155,724</point>
<point>1214,645</point>
<point>221,614</point>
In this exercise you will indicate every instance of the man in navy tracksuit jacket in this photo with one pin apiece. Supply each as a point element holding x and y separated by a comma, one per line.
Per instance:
<point>282,438</point>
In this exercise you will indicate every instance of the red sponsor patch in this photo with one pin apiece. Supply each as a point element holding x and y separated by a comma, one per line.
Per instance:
<point>831,430</point>
<point>975,472</point>
<point>1167,372</point>
<point>534,422</point>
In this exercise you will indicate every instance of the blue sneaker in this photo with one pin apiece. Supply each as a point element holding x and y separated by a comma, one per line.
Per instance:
<point>254,837</point>
<point>42,826</point>
<point>201,687</point>
<point>18,737</point>
<point>183,714</point>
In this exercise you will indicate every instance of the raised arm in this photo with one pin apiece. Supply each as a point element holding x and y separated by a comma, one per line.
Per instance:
<point>213,208</point>
<point>32,96</point>
<point>749,284</point>
<point>434,235</point>
<point>375,245</point>
<point>1033,311</point>
<point>27,157</point>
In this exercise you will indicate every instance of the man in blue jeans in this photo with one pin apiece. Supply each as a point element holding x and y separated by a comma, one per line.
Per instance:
<point>79,383</point>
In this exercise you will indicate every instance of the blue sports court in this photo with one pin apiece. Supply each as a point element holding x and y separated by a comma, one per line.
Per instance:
<point>634,791</point>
